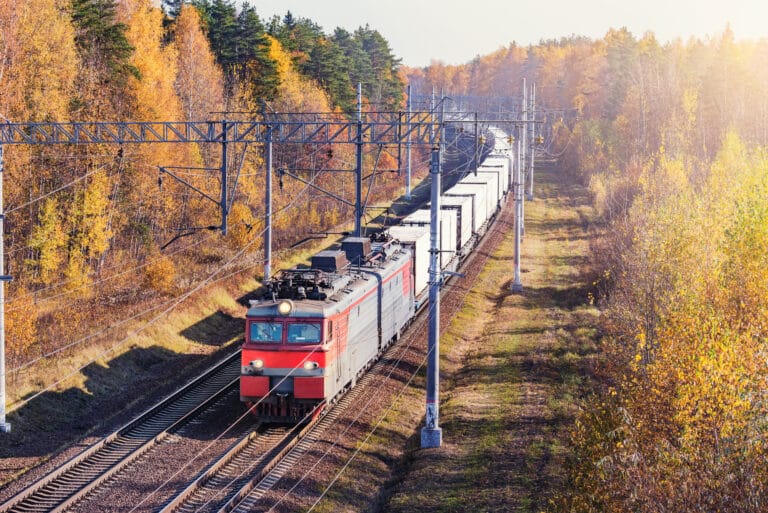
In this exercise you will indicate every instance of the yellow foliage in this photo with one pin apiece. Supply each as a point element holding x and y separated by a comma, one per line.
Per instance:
<point>154,91</point>
<point>38,60</point>
<point>160,274</point>
<point>241,226</point>
<point>49,239</point>
<point>199,81</point>
<point>93,216</point>
<point>76,273</point>
<point>20,326</point>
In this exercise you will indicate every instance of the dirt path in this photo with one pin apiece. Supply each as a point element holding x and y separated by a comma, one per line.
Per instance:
<point>512,365</point>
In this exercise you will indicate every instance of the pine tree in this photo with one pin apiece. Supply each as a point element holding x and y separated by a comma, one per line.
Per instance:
<point>241,47</point>
<point>385,87</point>
<point>359,68</point>
<point>173,7</point>
<point>253,55</point>
<point>220,17</point>
<point>330,67</point>
<point>101,40</point>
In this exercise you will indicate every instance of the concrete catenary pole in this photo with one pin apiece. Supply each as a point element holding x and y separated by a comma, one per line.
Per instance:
<point>432,434</point>
<point>532,140</point>
<point>268,208</point>
<point>517,285</point>
<point>408,147</point>
<point>523,160</point>
<point>359,164</point>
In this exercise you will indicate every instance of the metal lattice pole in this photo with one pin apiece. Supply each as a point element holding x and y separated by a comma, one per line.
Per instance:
<point>224,185</point>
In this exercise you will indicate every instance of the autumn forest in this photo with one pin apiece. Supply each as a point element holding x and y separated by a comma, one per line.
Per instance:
<point>671,140</point>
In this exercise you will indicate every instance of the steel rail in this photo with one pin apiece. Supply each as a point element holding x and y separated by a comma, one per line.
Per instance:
<point>89,469</point>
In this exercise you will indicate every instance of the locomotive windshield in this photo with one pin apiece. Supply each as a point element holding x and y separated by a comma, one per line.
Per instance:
<point>304,333</point>
<point>267,332</point>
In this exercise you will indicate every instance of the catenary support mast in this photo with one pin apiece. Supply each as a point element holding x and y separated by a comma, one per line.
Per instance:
<point>532,141</point>
<point>359,164</point>
<point>432,434</point>
<point>268,207</point>
<point>4,426</point>
<point>408,147</point>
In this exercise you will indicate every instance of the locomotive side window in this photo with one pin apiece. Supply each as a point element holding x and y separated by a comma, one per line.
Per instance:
<point>330,331</point>
<point>267,332</point>
<point>304,333</point>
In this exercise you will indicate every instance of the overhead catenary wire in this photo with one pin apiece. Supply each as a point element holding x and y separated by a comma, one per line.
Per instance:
<point>391,406</point>
<point>368,437</point>
<point>231,426</point>
<point>63,283</point>
<point>177,301</point>
<point>227,429</point>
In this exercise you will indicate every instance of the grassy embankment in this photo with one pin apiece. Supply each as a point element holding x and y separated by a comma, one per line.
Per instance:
<point>512,367</point>
<point>514,364</point>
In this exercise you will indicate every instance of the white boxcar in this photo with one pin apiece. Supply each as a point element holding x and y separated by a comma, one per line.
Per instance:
<point>497,164</point>
<point>491,187</point>
<point>491,176</point>
<point>416,240</point>
<point>501,142</point>
<point>479,195</point>
<point>463,207</point>
<point>447,231</point>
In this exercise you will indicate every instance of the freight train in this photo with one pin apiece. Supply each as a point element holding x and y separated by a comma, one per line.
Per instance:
<point>319,328</point>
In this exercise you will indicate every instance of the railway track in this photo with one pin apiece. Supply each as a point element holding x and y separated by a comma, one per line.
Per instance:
<point>232,471</point>
<point>242,476</point>
<point>252,500</point>
<point>82,474</point>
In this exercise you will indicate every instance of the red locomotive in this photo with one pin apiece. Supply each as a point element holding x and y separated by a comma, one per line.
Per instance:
<point>319,328</point>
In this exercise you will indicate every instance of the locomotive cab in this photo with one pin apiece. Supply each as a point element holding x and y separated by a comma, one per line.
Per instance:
<point>283,364</point>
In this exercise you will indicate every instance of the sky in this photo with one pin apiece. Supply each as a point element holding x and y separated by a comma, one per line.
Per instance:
<point>455,31</point>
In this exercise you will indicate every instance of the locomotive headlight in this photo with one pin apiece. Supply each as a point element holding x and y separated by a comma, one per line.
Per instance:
<point>311,365</point>
<point>285,307</point>
<point>257,364</point>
